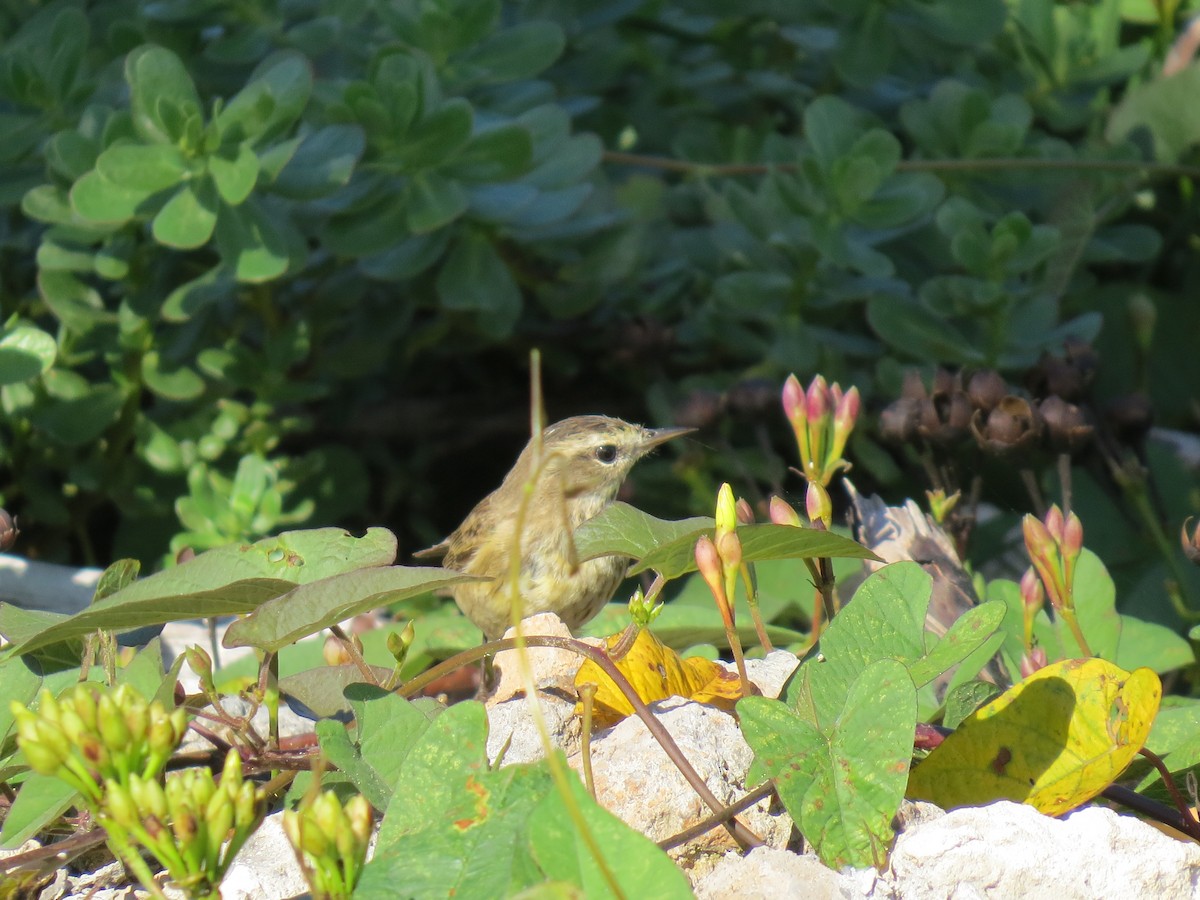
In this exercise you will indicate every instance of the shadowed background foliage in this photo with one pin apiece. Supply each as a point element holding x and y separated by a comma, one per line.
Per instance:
<point>272,263</point>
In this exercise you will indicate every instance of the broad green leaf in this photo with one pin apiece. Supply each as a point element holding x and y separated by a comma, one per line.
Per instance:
<point>187,220</point>
<point>234,172</point>
<point>318,604</point>
<point>41,800</point>
<point>76,304</point>
<point>622,530</point>
<point>842,784</point>
<point>337,747</point>
<point>758,542</point>
<point>640,868</point>
<point>913,330</point>
<point>1163,109</point>
<point>885,620</point>
<point>319,688</point>
<point>25,353</point>
<point>1054,741</point>
<point>157,82</point>
<point>388,727</point>
<point>226,581</point>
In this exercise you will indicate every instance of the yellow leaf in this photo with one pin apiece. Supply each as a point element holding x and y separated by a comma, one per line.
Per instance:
<point>1054,741</point>
<point>656,672</point>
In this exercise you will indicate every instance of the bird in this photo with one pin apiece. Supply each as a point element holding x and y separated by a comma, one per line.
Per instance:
<point>585,460</point>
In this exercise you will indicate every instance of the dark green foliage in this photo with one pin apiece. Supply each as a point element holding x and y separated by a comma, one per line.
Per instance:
<point>280,262</point>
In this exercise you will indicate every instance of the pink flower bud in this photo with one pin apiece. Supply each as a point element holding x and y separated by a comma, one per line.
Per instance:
<point>818,399</point>
<point>793,399</point>
<point>1072,536</point>
<point>1054,523</point>
<point>1033,596</point>
<point>708,560</point>
<point>1032,661</point>
<point>783,513</point>
<point>818,505</point>
<point>745,514</point>
<point>846,411</point>
<point>729,548</point>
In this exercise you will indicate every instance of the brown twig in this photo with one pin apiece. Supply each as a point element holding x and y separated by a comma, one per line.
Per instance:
<point>1185,811</point>
<point>719,818</point>
<point>355,657</point>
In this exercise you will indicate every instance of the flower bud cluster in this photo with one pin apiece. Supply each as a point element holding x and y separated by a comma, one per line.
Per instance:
<point>822,419</point>
<point>1054,546</point>
<point>91,735</point>
<point>330,841</point>
<point>193,825</point>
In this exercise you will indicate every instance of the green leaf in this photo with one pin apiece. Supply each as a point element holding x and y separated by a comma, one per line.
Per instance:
<point>141,167</point>
<point>841,784</point>
<point>640,868</point>
<point>187,220</point>
<point>251,242</point>
<point>758,542</point>
<point>438,137</point>
<point>498,154</point>
<point>226,581</point>
<point>158,83</point>
<point>317,605</point>
<point>516,53</point>
<point>172,382</point>
<point>25,353</point>
<point>1164,109</point>
<point>475,279</point>
<point>234,172</point>
<point>433,202</point>
<point>192,296</point>
<point>622,530</point>
<point>912,329</point>
<point>322,163</point>
<point>272,100</point>
<point>80,420</point>
<point>97,199</point>
<point>885,620</point>
<point>831,126</point>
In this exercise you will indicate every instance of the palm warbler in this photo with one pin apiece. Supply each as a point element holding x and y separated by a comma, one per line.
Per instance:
<point>586,459</point>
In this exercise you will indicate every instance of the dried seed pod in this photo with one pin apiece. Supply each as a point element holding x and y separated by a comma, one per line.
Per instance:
<point>1067,430</point>
<point>1013,427</point>
<point>986,388</point>
<point>1130,417</point>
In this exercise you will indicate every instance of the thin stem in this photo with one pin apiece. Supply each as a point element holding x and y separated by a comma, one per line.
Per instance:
<point>355,657</point>
<point>1152,808</point>
<point>1135,493</point>
<point>1069,617</point>
<point>1185,810</point>
<point>587,694</point>
<point>744,836</point>
<point>1064,482</point>
<point>719,818</point>
<point>1035,492</point>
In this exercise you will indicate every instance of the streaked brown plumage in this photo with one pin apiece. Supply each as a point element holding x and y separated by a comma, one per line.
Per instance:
<point>586,460</point>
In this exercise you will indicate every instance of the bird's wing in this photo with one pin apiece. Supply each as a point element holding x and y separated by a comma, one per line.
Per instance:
<point>437,551</point>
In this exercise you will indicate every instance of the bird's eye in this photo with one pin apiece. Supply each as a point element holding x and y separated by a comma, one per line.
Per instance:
<point>607,453</point>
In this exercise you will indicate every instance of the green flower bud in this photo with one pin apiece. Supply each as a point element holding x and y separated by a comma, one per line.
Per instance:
<point>119,805</point>
<point>112,727</point>
<point>48,706</point>
<point>42,758</point>
<point>83,701</point>
<point>361,818</point>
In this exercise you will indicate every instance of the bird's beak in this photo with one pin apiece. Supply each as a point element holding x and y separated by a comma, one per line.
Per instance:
<point>662,435</point>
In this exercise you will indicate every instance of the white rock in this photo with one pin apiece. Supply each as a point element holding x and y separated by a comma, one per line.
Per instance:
<point>766,873</point>
<point>266,866</point>
<point>770,673</point>
<point>1011,850</point>
<point>636,780</point>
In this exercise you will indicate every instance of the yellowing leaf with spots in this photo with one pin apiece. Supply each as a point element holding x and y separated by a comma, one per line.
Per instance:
<point>656,672</point>
<point>1054,741</point>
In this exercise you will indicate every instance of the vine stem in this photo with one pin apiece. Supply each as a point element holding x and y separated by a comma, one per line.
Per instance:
<point>746,838</point>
